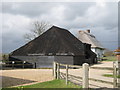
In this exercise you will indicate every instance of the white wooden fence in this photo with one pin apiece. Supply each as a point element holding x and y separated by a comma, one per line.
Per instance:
<point>85,81</point>
<point>116,81</point>
<point>85,70</point>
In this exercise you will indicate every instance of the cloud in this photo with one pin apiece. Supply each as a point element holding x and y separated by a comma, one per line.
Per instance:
<point>14,27</point>
<point>100,17</point>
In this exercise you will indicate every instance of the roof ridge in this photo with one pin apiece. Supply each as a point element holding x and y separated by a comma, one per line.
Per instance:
<point>55,40</point>
<point>89,38</point>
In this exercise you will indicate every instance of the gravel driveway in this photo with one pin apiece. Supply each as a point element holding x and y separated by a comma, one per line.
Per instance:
<point>25,76</point>
<point>30,76</point>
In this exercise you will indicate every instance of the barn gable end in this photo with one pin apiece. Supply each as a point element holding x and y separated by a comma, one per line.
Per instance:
<point>56,44</point>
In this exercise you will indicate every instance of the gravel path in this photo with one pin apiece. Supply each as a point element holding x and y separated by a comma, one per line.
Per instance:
<point>30,76</point>
<point>25,76</point>
<point>107,64</point>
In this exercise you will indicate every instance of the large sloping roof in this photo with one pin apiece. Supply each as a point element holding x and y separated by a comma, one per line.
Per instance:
<point>54,41</point>
<point>87,37</point>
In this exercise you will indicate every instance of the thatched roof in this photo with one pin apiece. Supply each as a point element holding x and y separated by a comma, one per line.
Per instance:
<point>55,41</point>
<point>87,37</point>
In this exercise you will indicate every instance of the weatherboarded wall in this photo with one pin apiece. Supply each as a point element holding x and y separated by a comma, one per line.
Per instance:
<point>64,59</point>
<point>45,61</point>
<point>79,60</point>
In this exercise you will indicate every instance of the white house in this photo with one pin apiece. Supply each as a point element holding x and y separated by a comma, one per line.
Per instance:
<point>87,37</point>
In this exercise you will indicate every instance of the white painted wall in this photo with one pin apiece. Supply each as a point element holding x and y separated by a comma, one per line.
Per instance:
<point>93,49</point>
<point>98,51</point>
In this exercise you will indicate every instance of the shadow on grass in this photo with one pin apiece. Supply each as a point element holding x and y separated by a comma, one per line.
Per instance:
<point>10,81</point>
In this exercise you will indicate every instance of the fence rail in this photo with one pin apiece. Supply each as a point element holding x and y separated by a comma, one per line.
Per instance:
<point>14,64</point>
<point>11,61</point>
<point>73,66</point>
<point>17,64</point>
<point>85,70</point>
<point>57,73</point>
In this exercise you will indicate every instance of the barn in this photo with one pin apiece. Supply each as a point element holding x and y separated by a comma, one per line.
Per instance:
<point>56,44</point>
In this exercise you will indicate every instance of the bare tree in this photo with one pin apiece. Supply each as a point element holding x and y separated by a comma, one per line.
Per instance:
<point>38,27</point>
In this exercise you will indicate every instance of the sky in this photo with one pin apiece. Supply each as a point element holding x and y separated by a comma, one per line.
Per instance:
<point>100,17</point>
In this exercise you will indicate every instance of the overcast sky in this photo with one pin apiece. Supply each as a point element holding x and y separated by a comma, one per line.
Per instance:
<point>100,18</point>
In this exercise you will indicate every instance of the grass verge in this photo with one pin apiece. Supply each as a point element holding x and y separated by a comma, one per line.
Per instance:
<point>48,84</point>
<point>109,58</point>
<point>110,75</point>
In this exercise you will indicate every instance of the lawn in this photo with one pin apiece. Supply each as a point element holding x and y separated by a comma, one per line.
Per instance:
<point>109,58</point>
<point>110,75</point>
<point>48,84</point>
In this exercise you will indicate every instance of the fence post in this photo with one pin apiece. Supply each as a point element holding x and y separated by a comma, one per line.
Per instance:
<point>85,75</point>
<point>66,74</point>
<point>118,84</point>
<point>114,75</point>
<point>54,70</point>
<point>35,65</point>
<point>58,66</point>
<point>23,65</point>
<point>13,64</point>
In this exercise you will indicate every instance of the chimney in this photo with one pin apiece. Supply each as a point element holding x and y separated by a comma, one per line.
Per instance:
<point>80,31</point>
<point>88,31</point>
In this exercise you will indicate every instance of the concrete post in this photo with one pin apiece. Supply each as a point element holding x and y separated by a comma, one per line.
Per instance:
<point>117,52</point>
<point>85,81</point>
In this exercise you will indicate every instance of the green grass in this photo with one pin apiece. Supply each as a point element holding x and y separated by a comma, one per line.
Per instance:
<point>109,58</point>
<point>48,84</point>
<point>110,75</point>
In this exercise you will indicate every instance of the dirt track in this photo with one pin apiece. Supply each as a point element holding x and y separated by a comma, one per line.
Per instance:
<point>25,76</point>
